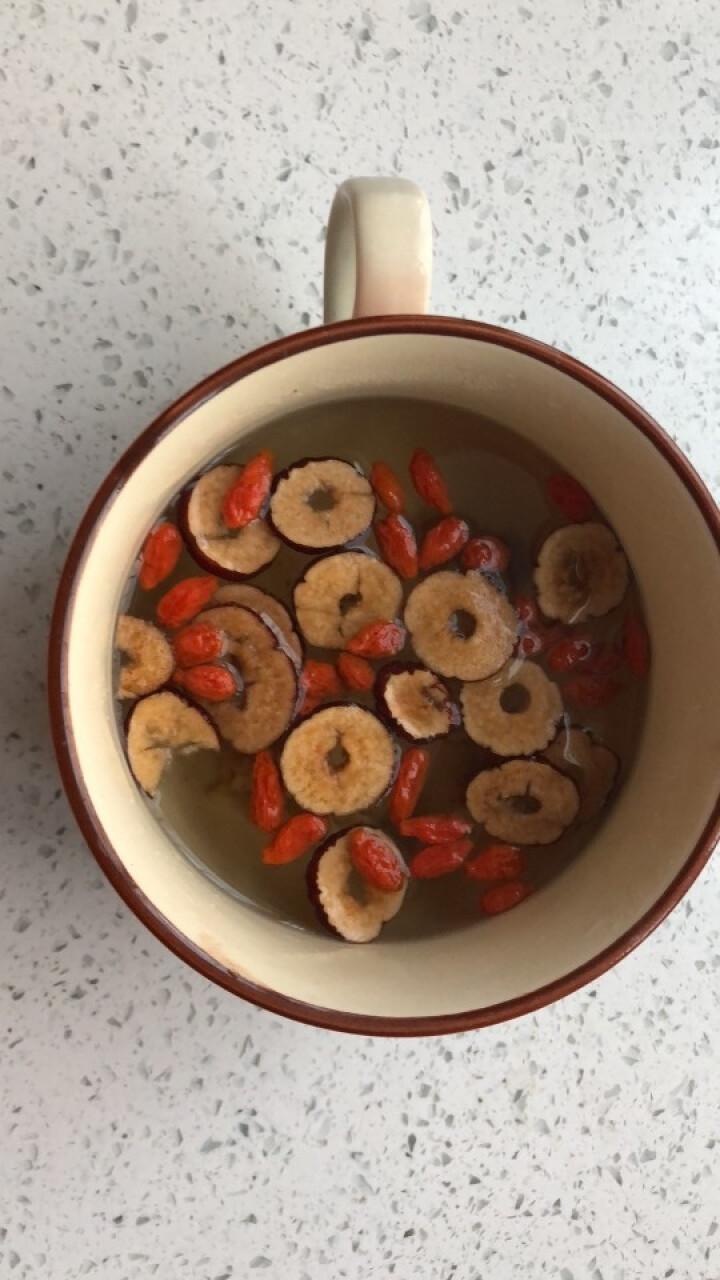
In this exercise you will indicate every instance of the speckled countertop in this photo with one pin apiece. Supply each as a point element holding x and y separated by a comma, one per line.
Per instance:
<point>166,171</point>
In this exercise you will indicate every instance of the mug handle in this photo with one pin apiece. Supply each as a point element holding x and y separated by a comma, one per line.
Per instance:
<point>378,254</point>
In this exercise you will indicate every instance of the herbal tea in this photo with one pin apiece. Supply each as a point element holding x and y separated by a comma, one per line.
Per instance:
<point>386,669</point>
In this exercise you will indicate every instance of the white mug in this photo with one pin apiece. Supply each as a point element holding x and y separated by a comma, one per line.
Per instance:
<point>654,841</point>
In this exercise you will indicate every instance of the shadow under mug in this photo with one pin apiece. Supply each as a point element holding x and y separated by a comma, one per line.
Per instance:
<point>657,836</point>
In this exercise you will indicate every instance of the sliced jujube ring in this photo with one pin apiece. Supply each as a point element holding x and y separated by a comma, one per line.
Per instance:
<point>523,802</point>
<point>267,606</point>
<point>459,625</point>
<point>266,705</point>
<point>146,657</point>
<point>229,553</point>
<point>415,702</point>
<point>340,594</point>
<point>348,906</point>
<point>321,504</point>
<point>160,725</point>
<point>340,760</point>
<point>592,767</point>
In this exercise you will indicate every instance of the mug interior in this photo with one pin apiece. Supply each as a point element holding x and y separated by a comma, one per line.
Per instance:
<point>516,961</point>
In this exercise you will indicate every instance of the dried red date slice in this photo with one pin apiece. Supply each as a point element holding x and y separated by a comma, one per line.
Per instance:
<point>268,606</point>
<point>415,701</point>
<point>523,802</point>
<point>230,553</point>
<point>581,572</point>
<point>355,917</point>
<point>339,760</point>
<point>321,504</point>
<point>514,712</point>
<point>159,725</point>
<point>340,594</point>
<point>592,767</point>
<point>266,707</point>
<point>146,658</point>
<point>460,625</point>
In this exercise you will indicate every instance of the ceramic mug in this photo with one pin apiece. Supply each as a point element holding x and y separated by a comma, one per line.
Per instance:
<point>663,826</point>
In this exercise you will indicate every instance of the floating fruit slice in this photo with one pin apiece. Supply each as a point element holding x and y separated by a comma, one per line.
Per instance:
<point>340,594</point>
<point>460,625</point>
<point>146,658</point>
<point>523,802</point>
<point>269,696</point>
<point>268,606</point>
<point>330,878</point>
<point>581,572</point>
<point>514,712</point>
<point>377,859</point>
<point>321,504</point>
<point>341,759</point>
<point>415,701</point>
<point>159,725</point>
<point>229,553</point>
<point>592,767</point>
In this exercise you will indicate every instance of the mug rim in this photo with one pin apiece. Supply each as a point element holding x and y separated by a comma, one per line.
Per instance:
<point>70,766</point>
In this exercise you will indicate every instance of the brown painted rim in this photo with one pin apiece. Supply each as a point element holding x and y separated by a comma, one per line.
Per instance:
<point>71,771</point>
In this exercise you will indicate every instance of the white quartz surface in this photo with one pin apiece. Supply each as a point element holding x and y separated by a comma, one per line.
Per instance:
<point>166,170</point>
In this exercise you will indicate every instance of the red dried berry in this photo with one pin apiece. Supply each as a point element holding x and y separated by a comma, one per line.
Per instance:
<point>439,859</point>
<point>570,497</point>
<point>636,646</point>
<point>428,482</point>
<point>397,544</point>
<point>373,859</point>
<point>603,661</point>
<point>159,555</point>
<point>491,555</point>
<point>267,800</point>
<point>320,679</point>
<point>435,829</point>
<point>355,672</point>
<point>246,498</point>
<point>377,640</point>
<point>503,897</point>
<point>443,542</point>
<point>294,839</point>
<point>569,652</point>
<point>496,862</point>
<point>198,642</point>
<point>531,642</point>
<point>212,684</point>
<point>408,784</point>
<point>590,690</point>
<point>528,614</point>
<point>184,600</point>
<point>387,487</point>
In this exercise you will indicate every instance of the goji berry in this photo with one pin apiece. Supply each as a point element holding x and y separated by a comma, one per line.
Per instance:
<point>408,784</point>
<point>439,859</point>
<point>496,862</point>
<point>531,642</point>
<point>569,496</point>
<point>443,542</point>
<point>570,652</point>
<point>267,801</point>
<point>159,555</point>
<point>246,498</point>
<point>355,672</point>
<point>198,642</point>
<point>320,679</point>
<point>429,483</point>
<point>213,684</point>
<point>375,861</point>
<point>377,640</point>
<point>435,829</point>
<point>397,544</point>
<point>387,487</point>
<point>492,555</point>
<point>294,839</point>
<point>504,896</point>
<point>184,600</point>
<point>590,690</point>
<point>636,646</point>
<point>527,611</point>
<point>603,661</point>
